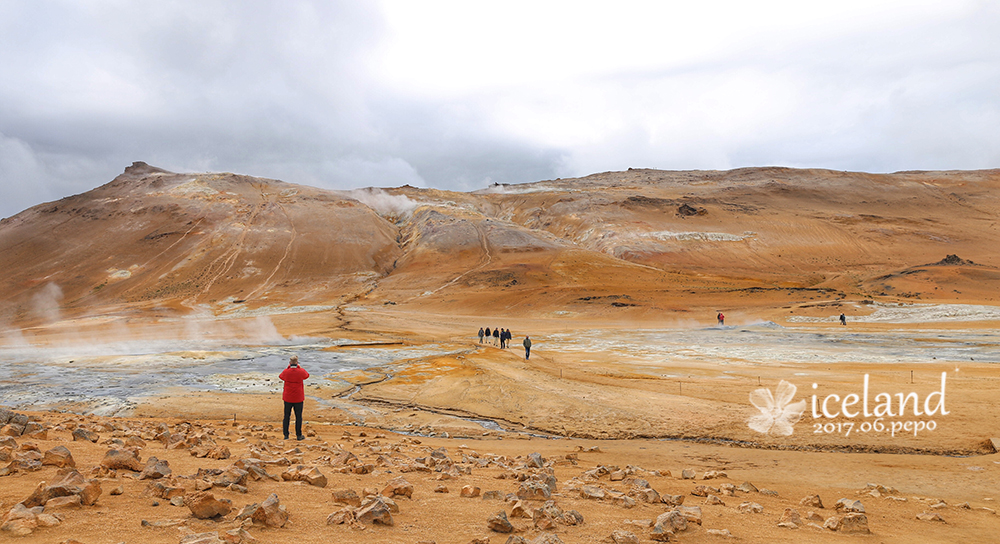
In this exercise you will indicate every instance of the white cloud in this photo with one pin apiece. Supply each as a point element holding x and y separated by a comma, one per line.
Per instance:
<point>456,95</point>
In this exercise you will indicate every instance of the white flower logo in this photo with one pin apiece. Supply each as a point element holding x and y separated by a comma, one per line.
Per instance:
<point>776,415</point>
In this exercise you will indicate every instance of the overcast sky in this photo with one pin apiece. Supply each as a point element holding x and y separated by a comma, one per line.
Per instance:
<point>458,95</point>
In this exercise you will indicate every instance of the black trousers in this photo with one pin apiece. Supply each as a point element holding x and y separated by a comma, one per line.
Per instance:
<point>289,406</point>
<point>527,352</point>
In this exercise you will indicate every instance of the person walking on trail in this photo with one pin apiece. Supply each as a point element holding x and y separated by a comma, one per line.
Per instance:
<point>481,335</point>
<point>843,319</point>
<point>721,318</point>
<point>506,337</point>
<point>496,337</point>
<point>488,335</point>
<point>293,395</point>
<point>527,348</point>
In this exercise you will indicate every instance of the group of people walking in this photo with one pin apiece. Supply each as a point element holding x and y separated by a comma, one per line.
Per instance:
<point>502,338</point>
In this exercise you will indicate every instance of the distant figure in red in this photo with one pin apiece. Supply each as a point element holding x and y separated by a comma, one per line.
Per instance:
<point>294,395</point>
<point>721,318</point>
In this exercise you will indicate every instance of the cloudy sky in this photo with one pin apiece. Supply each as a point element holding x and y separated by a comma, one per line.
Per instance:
<point>458,95</point>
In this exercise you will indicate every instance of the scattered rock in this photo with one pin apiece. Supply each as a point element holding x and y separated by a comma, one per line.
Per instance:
<point>346,496</point>
<point>622,537</point>
<point>672,500</point>
<point>302,473</point>
<point>82,434</point>
<point>667,525</point>
<point>155,469</point>
<point>790,519</point>
<point>930,516</point>
<point>204,505</point>
<point>720,532</point>
<point>849,505</point>
<point>533,490</point>
<point>713,500</point>
<point>592,492</point>
<point>854,523</point>
<point>398,487</point>
<point>202,538</point>
<point>749,508</point>
<point>499,523</point>
<point>470,491</point>
<point>688,474</point>
<point>812,501</point>
<point>58,456</point>
<point>122,460</point>
<point>375,511</point>
<point>747,487</point>
<point>340,517</point>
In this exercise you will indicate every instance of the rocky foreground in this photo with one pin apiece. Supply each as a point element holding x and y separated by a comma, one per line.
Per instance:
<point>85,479</point>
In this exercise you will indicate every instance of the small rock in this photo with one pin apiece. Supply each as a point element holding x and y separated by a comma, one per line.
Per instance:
<point>346,496</point>
<point>930,516</point>
<point>790,519</point>
<point>204,505</point>
<point>82,434</point>
<point>122,460</point>
<point>202,538</point>
<point>622,537</point>
<point>58,456</point>
<point>520,511</point>
<point>688,474</point>
<point>672,500</point>
<point>376,511</point>
<point>720,532</point>
<point>749,508</point>
<point>854,522</point>
<point>470,491</point>
<point>398,487</point>
<point>713,500</point>
<point>812,501</point>
<point>343,516</point>
<point>499,523</point>
<point>592,492</point>
<point>155,469</point>
<point>849,505</point>
<point>747,487</point>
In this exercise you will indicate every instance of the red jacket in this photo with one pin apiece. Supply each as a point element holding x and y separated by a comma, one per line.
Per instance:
<point>293,377</point>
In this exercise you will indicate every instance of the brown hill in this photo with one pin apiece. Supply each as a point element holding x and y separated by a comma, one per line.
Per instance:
<point>634,244</point>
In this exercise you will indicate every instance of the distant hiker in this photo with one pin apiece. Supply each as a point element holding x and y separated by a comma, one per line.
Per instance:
<point>488,334</point>
<point>721,318</point>
<point>843,320</point>
<point>496,337</point>
<point>293,395</point>
<point>505,335</point>
<point>527,348</point>
<point>481,335</point>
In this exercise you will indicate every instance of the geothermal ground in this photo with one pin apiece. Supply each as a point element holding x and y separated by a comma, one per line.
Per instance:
<point>157,311</point>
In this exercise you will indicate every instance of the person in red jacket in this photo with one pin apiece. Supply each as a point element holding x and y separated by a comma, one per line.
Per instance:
<point>294,395</point>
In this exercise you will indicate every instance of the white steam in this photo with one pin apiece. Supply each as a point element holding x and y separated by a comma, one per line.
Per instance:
<point>385,204</point>
<point>45,303</point>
